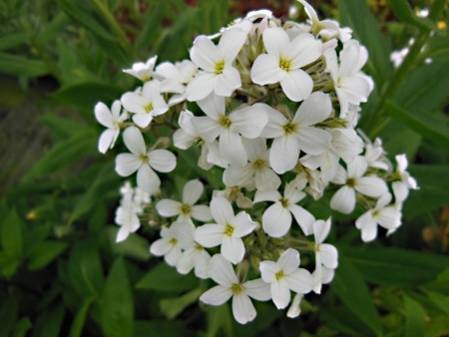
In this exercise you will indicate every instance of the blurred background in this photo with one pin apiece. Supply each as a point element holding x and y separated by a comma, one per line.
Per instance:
<point>61,274</point>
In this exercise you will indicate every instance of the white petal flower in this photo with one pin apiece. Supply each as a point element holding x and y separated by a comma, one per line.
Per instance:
<point>354,180</point>
<point>112,120</point>
<point>326,255</point>
<point>173,240</point>
<point>145,104</point>
<point>187,209</point>
<point>285,275</point>
<point>143,161</point>
<point>284,60</point>
<point>196,258</point>
<point>229,286</point>
<point>375,155</point>
<point>300,133</point>
<point>217,74</point>
<point>245,122</point>
<point>277,218</point>
<point>351,85</point>
<point>228,230</point>
<point>405,181</point>
<point>384,214</point>
<point>144,71</point>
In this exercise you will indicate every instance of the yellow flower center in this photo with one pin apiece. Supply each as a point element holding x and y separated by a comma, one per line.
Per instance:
<point>236,288</point>
<point>144,157</point>
<point>185,209</point>
<point>149,107</point>
<point>198,247</point>
<point>225,121</point>
<point>219,67</point>
<point>350,182</point>
<point>284,202</point>
<point>259,164</point>
<point>173,241</point>
<point>285,64</point>
<point>279,275</point>
<point>290,128</point>
<point>229,230</point>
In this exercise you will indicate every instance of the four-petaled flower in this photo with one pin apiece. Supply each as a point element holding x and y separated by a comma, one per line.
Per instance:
<point>112,120</point>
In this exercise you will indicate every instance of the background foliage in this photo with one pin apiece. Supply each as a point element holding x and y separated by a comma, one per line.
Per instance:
<point>61,272</point>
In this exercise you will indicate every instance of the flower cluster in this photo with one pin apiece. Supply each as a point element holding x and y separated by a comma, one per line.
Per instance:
<point>271,107</point>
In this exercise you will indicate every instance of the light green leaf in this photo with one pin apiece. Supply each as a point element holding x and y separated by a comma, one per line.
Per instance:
<point>403,11</point>
<point>353,292</point>
<point>165,278</point>
<point>172,307</point>
<point>22,66</point>
<point>12,235</point>
<point>44,253</point>
<point>49,323</point>
<point>76,329</point>
<point>134,246</point>
<point>439,300</point>
<point>116,304</point>
<point>414,318</point>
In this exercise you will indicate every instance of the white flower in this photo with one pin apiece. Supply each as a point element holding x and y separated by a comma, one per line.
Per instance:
<point>405,181</point>
<point>221,272</point>
<point>285,275</point>
<point>257,172</point>
<point>354,180</point>
<point>217,74</point>
<point>351,85</point>
<point>175,77</point>
<point>295,308</point>
<point>277,219</point>
<point>111,119</point>
<point>173,240</point>
<point>127,214</point>
<point>186,210</point>
<point>194,257</point>
<point>143,71</point>
<point>284,60</point>
<point>228,230</point>
<point>247,122</point>
<point>327,29</point>
<point>298,134</point>
<point>326,255</point>
<point>374,154</point>
<point>383,214</point>
<point>145,104</point>
<point>143,161</point>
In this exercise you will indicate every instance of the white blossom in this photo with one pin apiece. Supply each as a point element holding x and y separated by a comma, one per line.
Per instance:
<point>229,285</point>
<point>145,104</point>
<point>284,276</point>
<point>143,71</point>
<point>284,60</point>
<point>405,181</point>
<point>217,74</point>
<point>112,120</point>
<point>187,208</point>
<point>144,161</point>
<point>228,230</point>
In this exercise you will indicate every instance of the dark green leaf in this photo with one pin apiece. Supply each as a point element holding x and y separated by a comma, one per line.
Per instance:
<point>414,318</point>
<point>172,307</point>
<point>159,328</point>
<point>22,66</point>
<point>116,305</point>
<point>44,253</point>
<point>165,278</point>
<point>134,246</point>
<point>404,12</point>
<point>353,292</point>
<point>12,235</point>
<point>76,329</point>
<point>49,323</point>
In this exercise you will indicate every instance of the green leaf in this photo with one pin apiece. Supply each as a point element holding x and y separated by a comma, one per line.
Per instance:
<point>13,40</point>
<point>353,292</point>
<point>356,14</point>
<point>76,329</point>
<point>425,124</point>
<point>172,307</point>
<point>393,266</point>
<point>134,246</point>
<point>433,190</point>
<point>219,320</point>
<point>165,278</point>
<point>439,300</point>
<point>116,305</point>
<point>159,328</point>
<point>61,127</point>
<point>22,327</point>
<point>63,154</point>
<point>44,253</point>
<point>49,323</point>
<point>403,11</point>
<point>84,95</point>
<point>8,314</point>
<point>12,235</point>
<point>414,318</point>
<point>22,66</point>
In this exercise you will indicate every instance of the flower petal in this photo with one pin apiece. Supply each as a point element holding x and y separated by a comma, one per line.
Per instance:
<point>148,180</point>
<point>276,220</point>
<point>265,70</point>
<point>205,53</point>
<point>249,122</point>
<point>280,294</point>
<point>207,127</point>
<point>209,235</point>
<point>104,115</point>
<point>284,154</point>
<point>133,139</point>
<point>168,208</point>
<point>301,281</point>
<point>192,191</point>
<point>268,270</point>
<point>221,210</point>
<point>344,200</point>
<point>329,256</point>
<point>289,260</point>
<point>316,108</point>
<point>297,85</point>
<point>231,42</point>
<point>221,271</point>
<point>231,147</point>
<point>275,40</point>
<point>304,218</point>
<point>321,230</point>
<point>243,309</point>
<point>213,106</point>
<point>227,82</point>
<point>162,160</point>
<point>201,213</point>
<point>160,247</point>
<point>232,249</point>
<point>217,295</point>
<point>126,164</point>
<point>201,86</point>
<point>243,225</point>
<point>371,186</point>
<point>107,140</point>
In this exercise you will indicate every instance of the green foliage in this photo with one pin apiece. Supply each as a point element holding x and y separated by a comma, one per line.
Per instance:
<point>61,272</point>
